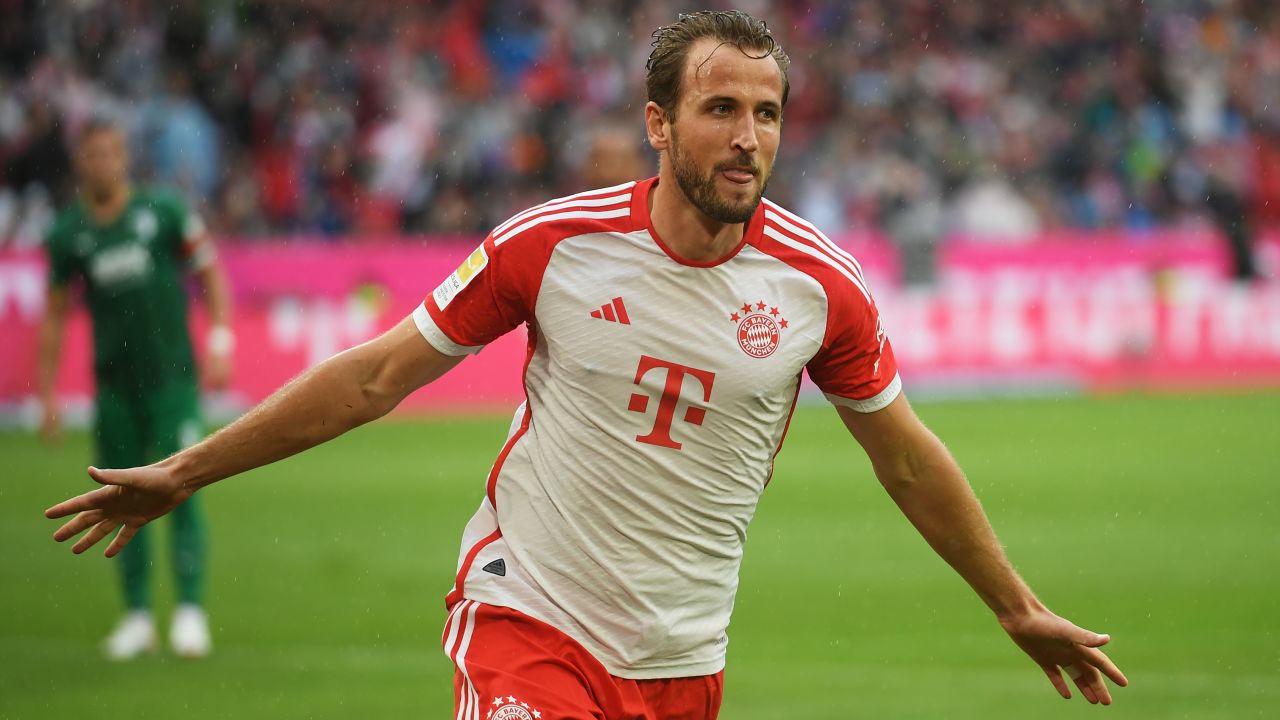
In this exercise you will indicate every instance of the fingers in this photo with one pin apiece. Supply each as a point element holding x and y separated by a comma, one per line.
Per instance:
<point>1078,677</point>
<point>77,524</point>
<point>91,538</point>
<point>92,500</point>
<point>89,501</point>
<point>1090,682</point>
<point>121,539</point>
<point>1099,659</point>
<point>112,477</point>
<point>1080,636</point>
<point>1097,640</point>
<point>1055,677</point>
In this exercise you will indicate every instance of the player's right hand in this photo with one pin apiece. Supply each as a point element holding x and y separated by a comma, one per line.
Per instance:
<point>129,499</point>
<point>1057,645</point>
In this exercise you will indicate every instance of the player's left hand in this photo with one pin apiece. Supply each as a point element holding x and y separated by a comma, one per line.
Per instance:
<point>1057,646</point>
<point>130,499</point>
<point>217,370</point>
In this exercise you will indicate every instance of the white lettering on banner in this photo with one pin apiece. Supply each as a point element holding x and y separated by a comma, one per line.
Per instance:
<point>1239,325</point>
<point>321,326</point>
<point>1100,317</point>
<point>1013,316</point>
<point>1272,301</point>
<point>22,289</point>
<point>1243,322</point>
<point>1011,338</point>
<point>912,312</point>
<point>1072,316</point>
<point>1189,302</point>
<point>964,325</point>
<point>1135,322</point>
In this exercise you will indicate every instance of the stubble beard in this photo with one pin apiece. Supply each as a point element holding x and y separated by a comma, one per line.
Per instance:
<point>701,189</point>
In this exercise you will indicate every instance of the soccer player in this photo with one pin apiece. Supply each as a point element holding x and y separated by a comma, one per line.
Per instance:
<point>669,323</point>
<point>130,246</point>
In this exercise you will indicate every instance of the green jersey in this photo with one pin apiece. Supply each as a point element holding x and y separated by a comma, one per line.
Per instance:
<point>133,276</point>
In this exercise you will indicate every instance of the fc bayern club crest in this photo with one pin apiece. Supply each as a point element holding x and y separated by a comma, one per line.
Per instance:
<point>760,327</point>
<point>511,708</point>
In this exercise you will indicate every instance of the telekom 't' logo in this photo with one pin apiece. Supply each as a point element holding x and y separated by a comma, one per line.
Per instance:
<point>661,433</point>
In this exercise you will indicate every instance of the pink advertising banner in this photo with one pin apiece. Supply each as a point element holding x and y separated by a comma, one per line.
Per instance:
<point>1095,312</point>
<point>1085,311</point>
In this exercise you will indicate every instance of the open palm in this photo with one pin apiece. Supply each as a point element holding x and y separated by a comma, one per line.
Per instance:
<point>128,500</point>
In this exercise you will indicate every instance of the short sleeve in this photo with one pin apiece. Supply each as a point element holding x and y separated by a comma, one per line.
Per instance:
<point>491,293</point>
<point>855,366</point>
<point>197,246</point>
<point>187,231</point>
<point>61,261</point>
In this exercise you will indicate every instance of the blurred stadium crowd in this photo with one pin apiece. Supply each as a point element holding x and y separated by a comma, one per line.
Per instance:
<point>917,117</point>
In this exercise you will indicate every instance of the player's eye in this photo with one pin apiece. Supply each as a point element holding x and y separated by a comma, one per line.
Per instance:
<point>721,109</point>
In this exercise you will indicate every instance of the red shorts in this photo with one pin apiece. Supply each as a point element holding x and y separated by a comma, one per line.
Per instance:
<point>510,666</point>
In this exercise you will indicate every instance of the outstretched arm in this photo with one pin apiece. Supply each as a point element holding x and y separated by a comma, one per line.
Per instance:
<point>343,392</point>
<point>928,486</point>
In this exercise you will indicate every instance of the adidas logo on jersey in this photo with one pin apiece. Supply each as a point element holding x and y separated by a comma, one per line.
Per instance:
<point>497,567</point>
<point>614,311</point>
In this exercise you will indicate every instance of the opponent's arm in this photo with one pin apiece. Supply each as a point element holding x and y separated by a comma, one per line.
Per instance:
<point>928,486</point>
<point>343,392</point>
<point>51,330</point>
<point>220,341</point>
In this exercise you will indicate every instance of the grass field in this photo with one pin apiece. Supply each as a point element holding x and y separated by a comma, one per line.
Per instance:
<point>1153,518</point>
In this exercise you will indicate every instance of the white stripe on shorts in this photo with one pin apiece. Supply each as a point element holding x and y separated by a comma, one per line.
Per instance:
<point>470,709</point>
<point>451,629</point>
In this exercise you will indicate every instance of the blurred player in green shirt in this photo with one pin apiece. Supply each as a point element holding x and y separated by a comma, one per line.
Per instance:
<point>131,247</point>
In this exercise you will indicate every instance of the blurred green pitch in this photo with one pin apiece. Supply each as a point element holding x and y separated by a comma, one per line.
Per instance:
<point>1153,518</point>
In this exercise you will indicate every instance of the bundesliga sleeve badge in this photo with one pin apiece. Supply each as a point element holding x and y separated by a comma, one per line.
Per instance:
<point>461,277</point>
<point>760,327</point>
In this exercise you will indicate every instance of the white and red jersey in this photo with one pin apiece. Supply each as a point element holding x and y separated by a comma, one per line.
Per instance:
<point>658,392</point>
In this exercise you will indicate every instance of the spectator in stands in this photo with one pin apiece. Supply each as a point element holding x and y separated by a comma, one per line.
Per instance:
<point>448,116</point>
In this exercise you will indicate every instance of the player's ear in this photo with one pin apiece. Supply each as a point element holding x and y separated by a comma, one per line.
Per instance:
<point>657,126</point>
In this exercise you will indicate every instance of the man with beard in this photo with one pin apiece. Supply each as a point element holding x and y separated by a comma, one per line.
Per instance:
<point>669,322</point>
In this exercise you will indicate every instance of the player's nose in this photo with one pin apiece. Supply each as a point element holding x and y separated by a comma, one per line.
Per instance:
<point>745,138</point>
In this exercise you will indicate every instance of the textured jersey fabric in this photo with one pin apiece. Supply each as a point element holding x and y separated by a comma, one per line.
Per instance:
<point>658,392</point>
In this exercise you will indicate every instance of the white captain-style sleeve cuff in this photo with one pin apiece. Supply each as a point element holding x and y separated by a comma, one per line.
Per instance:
<point>879,401</point>
<point>434,335</point>
<point>202,256</point>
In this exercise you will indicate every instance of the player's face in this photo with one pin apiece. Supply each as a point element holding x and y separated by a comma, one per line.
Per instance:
<point>102,161</point>
<point>726,131</point>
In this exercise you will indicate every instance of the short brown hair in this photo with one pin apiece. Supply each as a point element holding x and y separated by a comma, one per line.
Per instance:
<point>671,46</point>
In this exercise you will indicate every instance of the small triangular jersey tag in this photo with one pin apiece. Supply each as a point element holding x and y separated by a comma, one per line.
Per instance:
<point>497,567</point>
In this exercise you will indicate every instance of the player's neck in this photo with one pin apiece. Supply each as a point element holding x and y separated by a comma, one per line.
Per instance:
<point>105,206</point>
<point>687,230</point>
